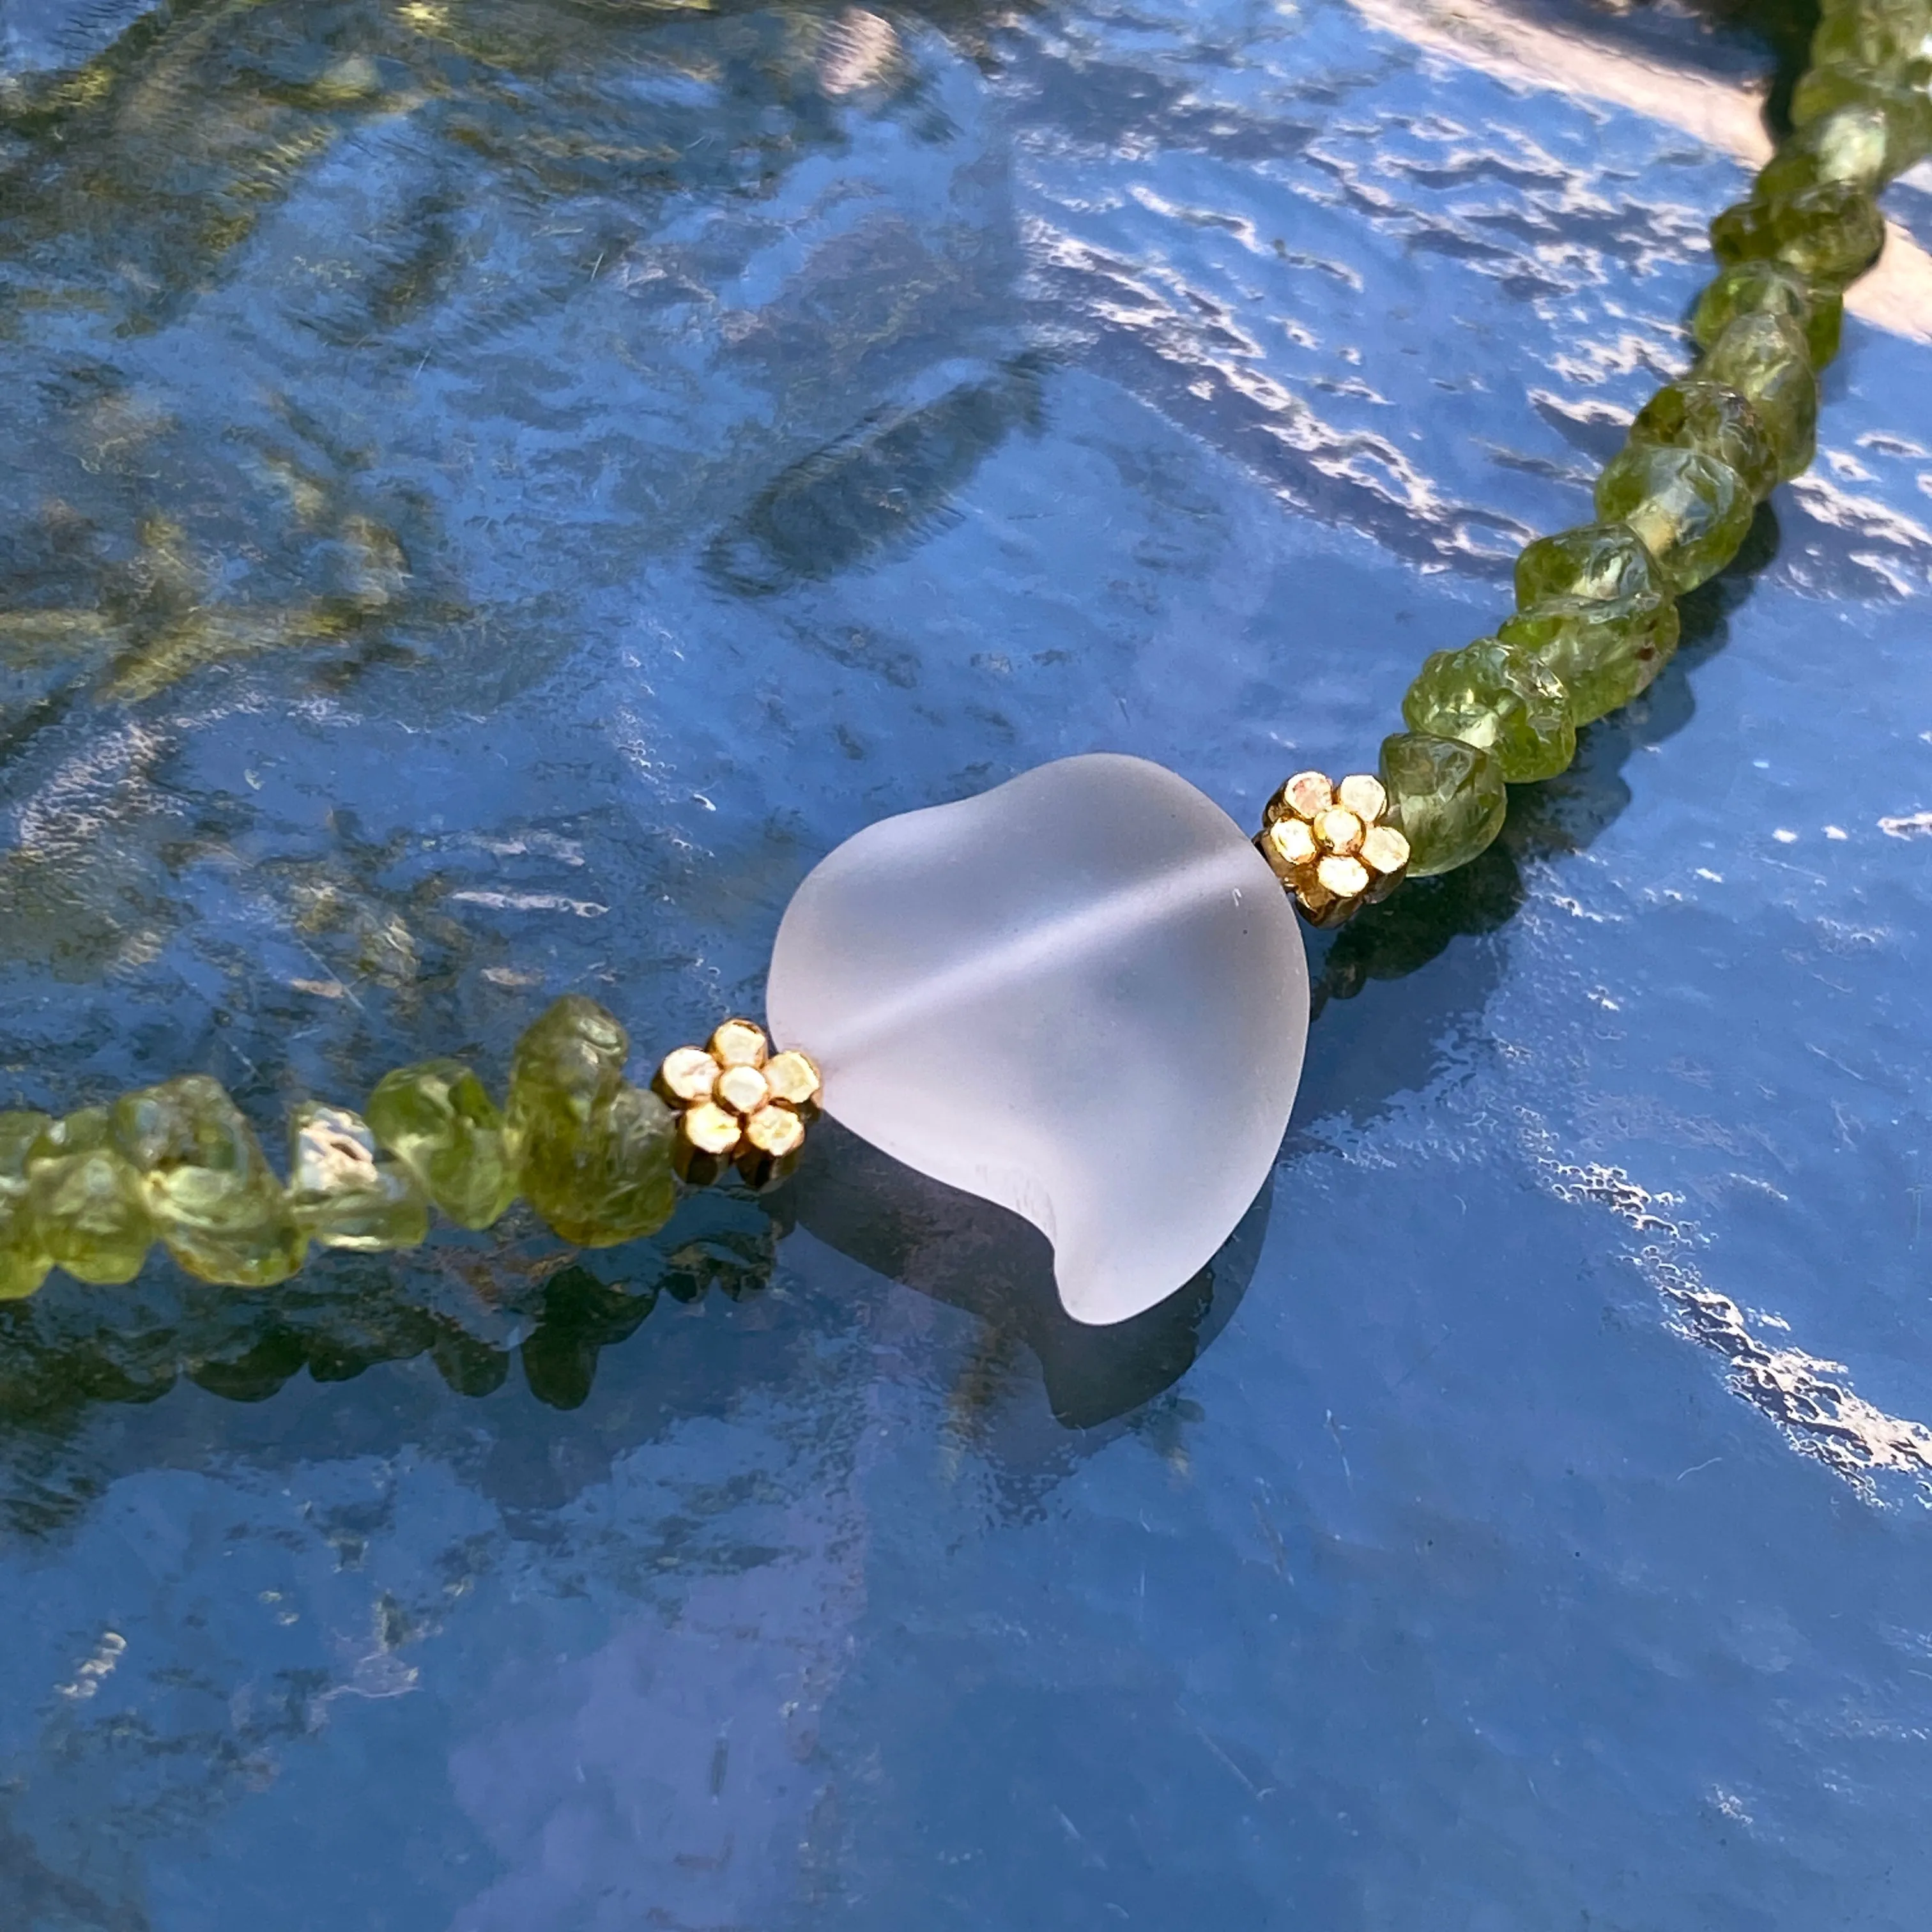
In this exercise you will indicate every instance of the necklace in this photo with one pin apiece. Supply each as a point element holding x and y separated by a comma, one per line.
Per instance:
<point>1082,995</point>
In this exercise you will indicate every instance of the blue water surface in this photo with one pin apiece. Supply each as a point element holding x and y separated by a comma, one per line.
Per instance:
<point>495,491</point>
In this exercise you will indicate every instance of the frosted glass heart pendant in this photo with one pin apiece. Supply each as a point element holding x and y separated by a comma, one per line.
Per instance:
<point>1081,995</point>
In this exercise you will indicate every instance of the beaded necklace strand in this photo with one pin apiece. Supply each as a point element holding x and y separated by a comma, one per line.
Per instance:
<point>601,1161</point>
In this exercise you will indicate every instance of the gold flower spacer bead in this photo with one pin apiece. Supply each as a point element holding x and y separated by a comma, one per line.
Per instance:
<point>1328,846</point>
<point>737,1102</point>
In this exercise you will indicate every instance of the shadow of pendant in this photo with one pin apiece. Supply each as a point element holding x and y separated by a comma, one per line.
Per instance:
<point>967,1252</point>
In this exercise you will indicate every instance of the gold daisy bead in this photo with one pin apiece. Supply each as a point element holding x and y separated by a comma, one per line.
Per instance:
<point>1328,845</point>
<point>737,1102</point>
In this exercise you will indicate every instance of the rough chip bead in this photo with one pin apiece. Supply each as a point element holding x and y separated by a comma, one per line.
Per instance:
<point>1907,108</point>
<point>1850,144</point>
<point>216,1202</point>
<point>1831,233</point>
<point>1606,651</point>
<point>23,1261</point>
<point>1875,33</point>
<point>1592,605</point>
<point>1764,358</point>
<point>1769,288</point>
<point>1691,512</point>
<point>342,1193</point>
<point>1326,845</point>
<point>1450,799</point>
<point>595,1151</point>
<point>1715,418</point>
<point>438,1119</point>
<point>1501,699</point>
<point>1596,562</point>
<point>87,1203</point>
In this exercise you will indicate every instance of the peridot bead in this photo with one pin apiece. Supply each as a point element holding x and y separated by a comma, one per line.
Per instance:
<point>215,1201</point>
<point>1763,358</point>
<point>1606,651</point>
<point>1831,233</point>
<point>1690,511</point>
<point>1850,144</point>
<point>595,1151</point>
<point>23,1264</point>
<point>1889,34</point>
<point>87,1203</point>
<point>1715,418</point>
<point>1591,606</point>
<point>1770,288</point>
<point>1448,798</point>
<point>436,1118</point>
<point>1502,700</point>
<point>342,1194</point>
<point>1593,561</point>
<point>1905,105</point>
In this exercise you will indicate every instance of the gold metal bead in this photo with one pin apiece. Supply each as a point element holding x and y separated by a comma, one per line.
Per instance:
<point>742,1089</point>
<point>1328,846</point>
<point>775,1130</point>
<point>794,1079</point>
<point>773,1137</point>
<point>710,1128</point>
<point>1288,845</point>
<point>1343,878</point>
<point>686,1077</point>
<point>1363,793</point>
<point>707,1137</point>
<point>739,1043</point>
<point>1338,829</point>
<point>1306,794</point>
<point>1385,853</point>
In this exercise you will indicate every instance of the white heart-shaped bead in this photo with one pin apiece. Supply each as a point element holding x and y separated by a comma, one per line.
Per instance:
<point>1081,994</point>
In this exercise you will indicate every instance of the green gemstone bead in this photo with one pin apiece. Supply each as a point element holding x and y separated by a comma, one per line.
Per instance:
<point>215,1201</point>
<point>87,1203</point>
<point>1448,798</point>
<point>23,1264</point>
<point>1764,358</point>
<point>1850,144</point>
<point>436,1118</point>
<point>1691,511</point>
<point>1606,651</point>
<point>1769,288</point>
<point>1831,233</point>
<point>1592,605</point>
<point>1714,418</point>
<point>1887,33</point>
<point>1500,699</point>
<point>596,1150</point>
<point>1593,562</point>
<point>1906,106</point>
<point>342,1194</point>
